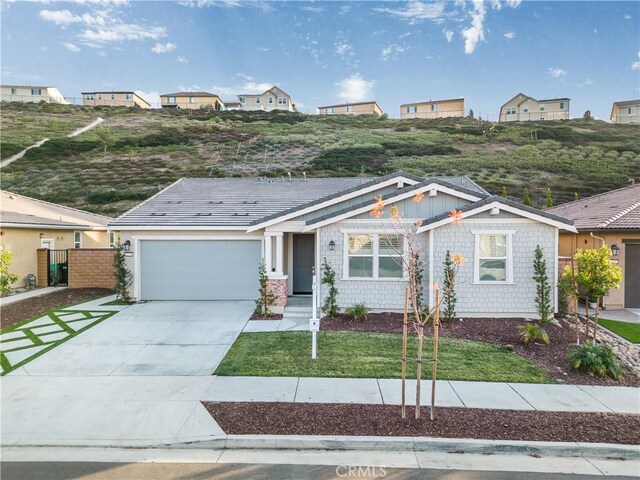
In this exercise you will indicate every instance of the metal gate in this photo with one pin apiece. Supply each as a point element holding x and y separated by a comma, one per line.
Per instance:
<point>58,274</point>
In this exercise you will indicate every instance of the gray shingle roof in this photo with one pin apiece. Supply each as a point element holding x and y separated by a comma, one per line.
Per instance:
<point>33,220</point>
<point>615,210</point>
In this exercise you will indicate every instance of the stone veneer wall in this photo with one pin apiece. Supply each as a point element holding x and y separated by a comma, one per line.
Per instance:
<point>278,286</point>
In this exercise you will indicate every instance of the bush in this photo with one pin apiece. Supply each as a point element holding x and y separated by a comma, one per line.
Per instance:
<point>532,333</point>
<point>563,303</point>
<point>597,359</point>
<point>358,312</point>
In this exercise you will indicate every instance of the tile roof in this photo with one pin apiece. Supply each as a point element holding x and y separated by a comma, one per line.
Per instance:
<point>351,104</point>
<point>615,210</point>
<point>33,220</point>
<point>189,94</point>
<point>434,101</point>
<point>627,103</point>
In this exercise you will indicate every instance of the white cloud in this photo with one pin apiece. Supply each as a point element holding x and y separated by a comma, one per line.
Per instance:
<point>152,97</point>
<point>163,47</point>
<point>182,59</point>
<point>557,72</point>
<point>71,47</point>
<point>249,86</point>
<point>475,33</point>
<point>59,17</point>
<point>308,8</point>
<point>343,49</point>
<point>190,88</point>
<point>123,31</point>
<point>448,35</point>
<point>636,65</point>
<point>343,10</point>
<point>392,51</point>
<point>585,83</point>
<point>510,35</point>
<point>415,11</point>
<point>498,4</point>
<point>627,17</point>
<point>355,88</point>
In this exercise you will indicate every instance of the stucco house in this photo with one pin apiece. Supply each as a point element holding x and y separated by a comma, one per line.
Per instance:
<point>627,111</point>
<point>453,107</point>
<point>31,94</point>
<point>359,108</point>
<point>27,224</point>
<point>203,239</point>
<point>523,108</point>
<point>191,100</point>
<point>272,99</point>
<point>613,218</point>
<point>114,99</point>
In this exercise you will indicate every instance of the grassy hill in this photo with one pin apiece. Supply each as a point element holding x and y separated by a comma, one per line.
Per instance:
<point>147,150</point>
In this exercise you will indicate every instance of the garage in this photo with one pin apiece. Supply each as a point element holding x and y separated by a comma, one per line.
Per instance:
<point>199,269</point>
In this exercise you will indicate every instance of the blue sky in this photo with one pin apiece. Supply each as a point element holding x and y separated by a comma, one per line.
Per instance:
<point>330,52</point>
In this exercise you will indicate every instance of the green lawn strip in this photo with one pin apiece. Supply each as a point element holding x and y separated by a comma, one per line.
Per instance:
<point>116,302</point>
<point>371,355</point>
<point>4,361</point>
<point>28,333</point>
<point>46,313</point>
<point>627,330</point>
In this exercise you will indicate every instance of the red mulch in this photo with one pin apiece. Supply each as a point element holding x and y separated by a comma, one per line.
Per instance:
<point>257,316</point>
<point>30,307</point>
<point>498,331</point>
<point>263,418</point>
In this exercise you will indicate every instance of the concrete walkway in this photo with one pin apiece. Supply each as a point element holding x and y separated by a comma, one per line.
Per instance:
<point>21,154</point>
<point>631,315</point>
<point>37,292</point>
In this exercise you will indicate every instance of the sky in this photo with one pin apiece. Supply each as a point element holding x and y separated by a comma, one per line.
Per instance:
<point>331,52</point>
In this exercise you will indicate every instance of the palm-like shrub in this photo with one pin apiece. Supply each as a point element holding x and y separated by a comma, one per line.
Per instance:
<point>358,312</point>
<point>532,333</point>
<point>597,359</point>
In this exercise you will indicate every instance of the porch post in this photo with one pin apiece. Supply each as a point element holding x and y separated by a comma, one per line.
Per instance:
<point>267,254</point>
<point>279,254</point>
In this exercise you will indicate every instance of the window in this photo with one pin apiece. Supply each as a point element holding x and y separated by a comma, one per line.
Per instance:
<point>434,107</point>
<point>374,255</point>
<point>257,99</point>
<point>99,96</point>
<point>90,96</point>
<point>171,100</point>
<point>129,96</point>
<point>270,99</point>
<point>113,96</point>
<point>14,91</point>
<point>493,257</point>
<point>282,101</point>
<point>542,108</point>
<point>511,111</point>
<point>631,111</point>
<point>77,239</point>
<point>525,110</point>
<point>112,239</point>
<point>562,105</point>
<point>411,109</point>
<point>241,99</point>
<point>36,91</point>
<point>191,100</point>
<point>329,110</point>
<point>349,109</point>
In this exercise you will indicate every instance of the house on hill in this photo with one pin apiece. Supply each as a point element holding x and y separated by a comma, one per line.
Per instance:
<point>115,99</point>
<point>191,100</point>
<point>624,112</point>
<point>360,108</point>
<point>272,99</point>
<point>31,94</point>
<point>523,108</point>
<point>453,107</point>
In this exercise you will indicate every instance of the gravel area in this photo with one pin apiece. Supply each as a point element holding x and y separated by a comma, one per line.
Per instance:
<point>498,331</point>
<point>30,307</point>
<point>258,418</point>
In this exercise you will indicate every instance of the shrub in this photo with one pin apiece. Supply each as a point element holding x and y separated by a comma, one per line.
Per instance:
<point>123,277</point>
<point>597,359</point>
<point>532,333</point>
<point>6,278</point>
<point>563,303</point>
<point>449,310</point>
<point>543,288</point>
<point>358,312</point>
<point>330,306</point>
<point>265,297</point>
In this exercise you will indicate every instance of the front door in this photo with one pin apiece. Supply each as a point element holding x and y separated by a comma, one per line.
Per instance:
<point>303,255</point>
<point>632,275</point>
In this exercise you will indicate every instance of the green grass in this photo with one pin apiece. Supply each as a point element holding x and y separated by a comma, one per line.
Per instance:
<point>629,331</point>
<point>371,355</point>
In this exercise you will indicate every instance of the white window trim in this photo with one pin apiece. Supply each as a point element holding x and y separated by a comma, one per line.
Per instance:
<point>48,240</point>
<point>111,236</point>
<point>376,246</point>
<point>476,258</point>
<point>79,243</point>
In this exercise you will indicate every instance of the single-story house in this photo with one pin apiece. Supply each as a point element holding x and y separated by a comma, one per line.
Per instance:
<point>613,218</point>
<point>203,239</point>
<point>28,224</point>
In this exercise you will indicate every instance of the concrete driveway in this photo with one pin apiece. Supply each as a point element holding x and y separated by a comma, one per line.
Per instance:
<point>155,338</point>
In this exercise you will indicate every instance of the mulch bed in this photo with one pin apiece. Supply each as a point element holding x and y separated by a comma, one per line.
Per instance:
<point>257,316</point>
<point>30,307</point>
<point>498,331</point>
<point>263,418</point>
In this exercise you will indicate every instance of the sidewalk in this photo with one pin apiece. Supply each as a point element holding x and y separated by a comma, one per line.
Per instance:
<point>30,294</point>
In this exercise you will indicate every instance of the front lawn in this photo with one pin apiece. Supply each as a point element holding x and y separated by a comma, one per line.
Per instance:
<point>629,331</point>
<point>371,355</point>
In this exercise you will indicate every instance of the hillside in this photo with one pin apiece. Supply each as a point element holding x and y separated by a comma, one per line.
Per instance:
<point>147,150</point>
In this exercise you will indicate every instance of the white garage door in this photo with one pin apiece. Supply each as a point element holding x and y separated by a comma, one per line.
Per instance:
<point>199,269</point>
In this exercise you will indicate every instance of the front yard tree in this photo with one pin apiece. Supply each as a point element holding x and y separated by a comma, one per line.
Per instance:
<point>122,274</point>
<point>330,306</point>
<point>6,278</point>
<point>549,198</point>
<point>596,276</point>
<point>265,297</point>
<point>504,192</point>
<point>104,137</point>
<point>543,288</point>
<point>526,199</point>
<point>449,311</point>
<point>569,286</point>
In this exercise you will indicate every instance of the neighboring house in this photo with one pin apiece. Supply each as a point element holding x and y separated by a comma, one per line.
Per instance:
<point>191,100</point>
<point>523,108</point>
<point>31,94</point>
<point>203,239</point>
<point>116,99</point>
<point>433,109</point>
<point>27,224</point>
<point>361,108</point>
<point>612,217</point>
<point>625,112</point>
<point>273,99</point>
<point>232,105</point>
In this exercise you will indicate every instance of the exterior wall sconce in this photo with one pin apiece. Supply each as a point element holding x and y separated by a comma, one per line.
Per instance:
<point>332,245</point>
<point>42,235</point>
<point>615,250</point>
<point>127,245</point>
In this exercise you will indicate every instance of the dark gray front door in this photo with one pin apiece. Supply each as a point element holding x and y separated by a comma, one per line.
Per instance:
<point>303,254</point>
<point>632,275</point>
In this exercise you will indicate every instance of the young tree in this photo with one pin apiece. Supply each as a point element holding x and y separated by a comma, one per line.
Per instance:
<point>104,137</point>
<point>549,198</point>
<point>576,196</point>
<point>330,306</point>
<point>470,114</point>
<point>569,286</point>
<point>122,274</point>
<point>543,288</point>
<point>6,278</point>
<point>526,199</point>
<point>265,297</point>
<point>449,311</point>
<point>504,192</point>
<point>596,276</point>
<point>587,116</point>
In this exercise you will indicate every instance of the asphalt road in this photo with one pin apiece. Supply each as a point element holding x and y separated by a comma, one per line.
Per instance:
<point>226,471</point>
